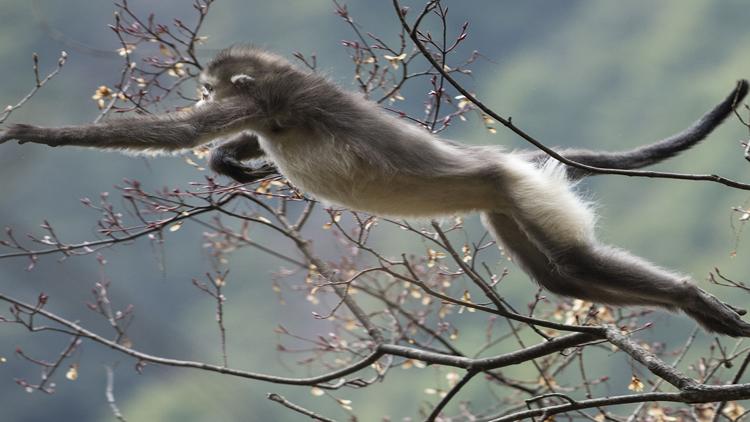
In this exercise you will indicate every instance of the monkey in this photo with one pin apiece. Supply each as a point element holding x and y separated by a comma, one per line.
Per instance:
<point>345,150</point>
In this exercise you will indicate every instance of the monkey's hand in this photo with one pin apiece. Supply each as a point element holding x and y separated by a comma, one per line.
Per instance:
<point>246,174</point>
<point>28,133</point>
<point>715,315</point>
<point>225,159</point>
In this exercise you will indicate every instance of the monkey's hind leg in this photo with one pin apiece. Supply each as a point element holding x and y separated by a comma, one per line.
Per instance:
<point>604,274</point>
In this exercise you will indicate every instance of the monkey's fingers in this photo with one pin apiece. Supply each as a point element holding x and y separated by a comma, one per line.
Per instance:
<point>28,133</point>
<point>18,132</point>
<point>241,172</point>
<point>249,174</point>
<point>5,136</point>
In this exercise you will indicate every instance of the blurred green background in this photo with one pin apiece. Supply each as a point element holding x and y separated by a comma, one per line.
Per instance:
<point>605,75</point>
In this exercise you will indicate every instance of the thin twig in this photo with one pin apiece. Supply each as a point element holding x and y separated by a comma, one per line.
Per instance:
<point>297,408</point>
<point>110,395</point>
<point>77,330</point>
<point>39,83</point>
<point>735,380</point>
<point>449,396</point>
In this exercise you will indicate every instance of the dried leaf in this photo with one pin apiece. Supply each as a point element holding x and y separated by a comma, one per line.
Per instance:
<point>72,373</point>
<point>733,410</point>
<point>102,92</point>
<point>467,253</point>
<point>395,60</point>
<point>177,70</point>
<point>165,51</point>
<point>657,414</point>
<point>452,378</point>
<point>635,384</point>
<point>126,49</point>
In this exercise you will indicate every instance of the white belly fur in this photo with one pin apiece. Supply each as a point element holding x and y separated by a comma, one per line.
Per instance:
<point>331,172</point>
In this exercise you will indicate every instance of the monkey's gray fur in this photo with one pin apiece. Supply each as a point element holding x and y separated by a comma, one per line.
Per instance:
<point>345,150</point>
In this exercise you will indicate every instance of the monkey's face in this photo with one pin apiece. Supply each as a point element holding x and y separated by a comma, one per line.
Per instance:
<point>218,87</point>
<point>215,87</point>
<point>238,71</point>
<point>206,93</point>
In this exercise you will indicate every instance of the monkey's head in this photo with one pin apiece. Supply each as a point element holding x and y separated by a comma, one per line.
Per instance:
<point>239,69</point>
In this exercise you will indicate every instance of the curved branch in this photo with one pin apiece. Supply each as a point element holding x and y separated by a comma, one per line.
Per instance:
<point>705,394</point>
<point>145,357</point>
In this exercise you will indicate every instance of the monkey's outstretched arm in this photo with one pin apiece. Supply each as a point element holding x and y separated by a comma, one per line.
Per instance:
<point>656,152</point>
<point>227,158</point>
<point>153,133</point>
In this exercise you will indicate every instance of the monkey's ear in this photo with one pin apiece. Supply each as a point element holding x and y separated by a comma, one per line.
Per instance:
<point>241,79</point>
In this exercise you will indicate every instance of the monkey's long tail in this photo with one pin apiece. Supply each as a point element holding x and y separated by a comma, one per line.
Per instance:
<point>658,151</point>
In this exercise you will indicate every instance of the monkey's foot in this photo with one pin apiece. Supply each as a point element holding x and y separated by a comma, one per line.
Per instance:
<point>715,315</point>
